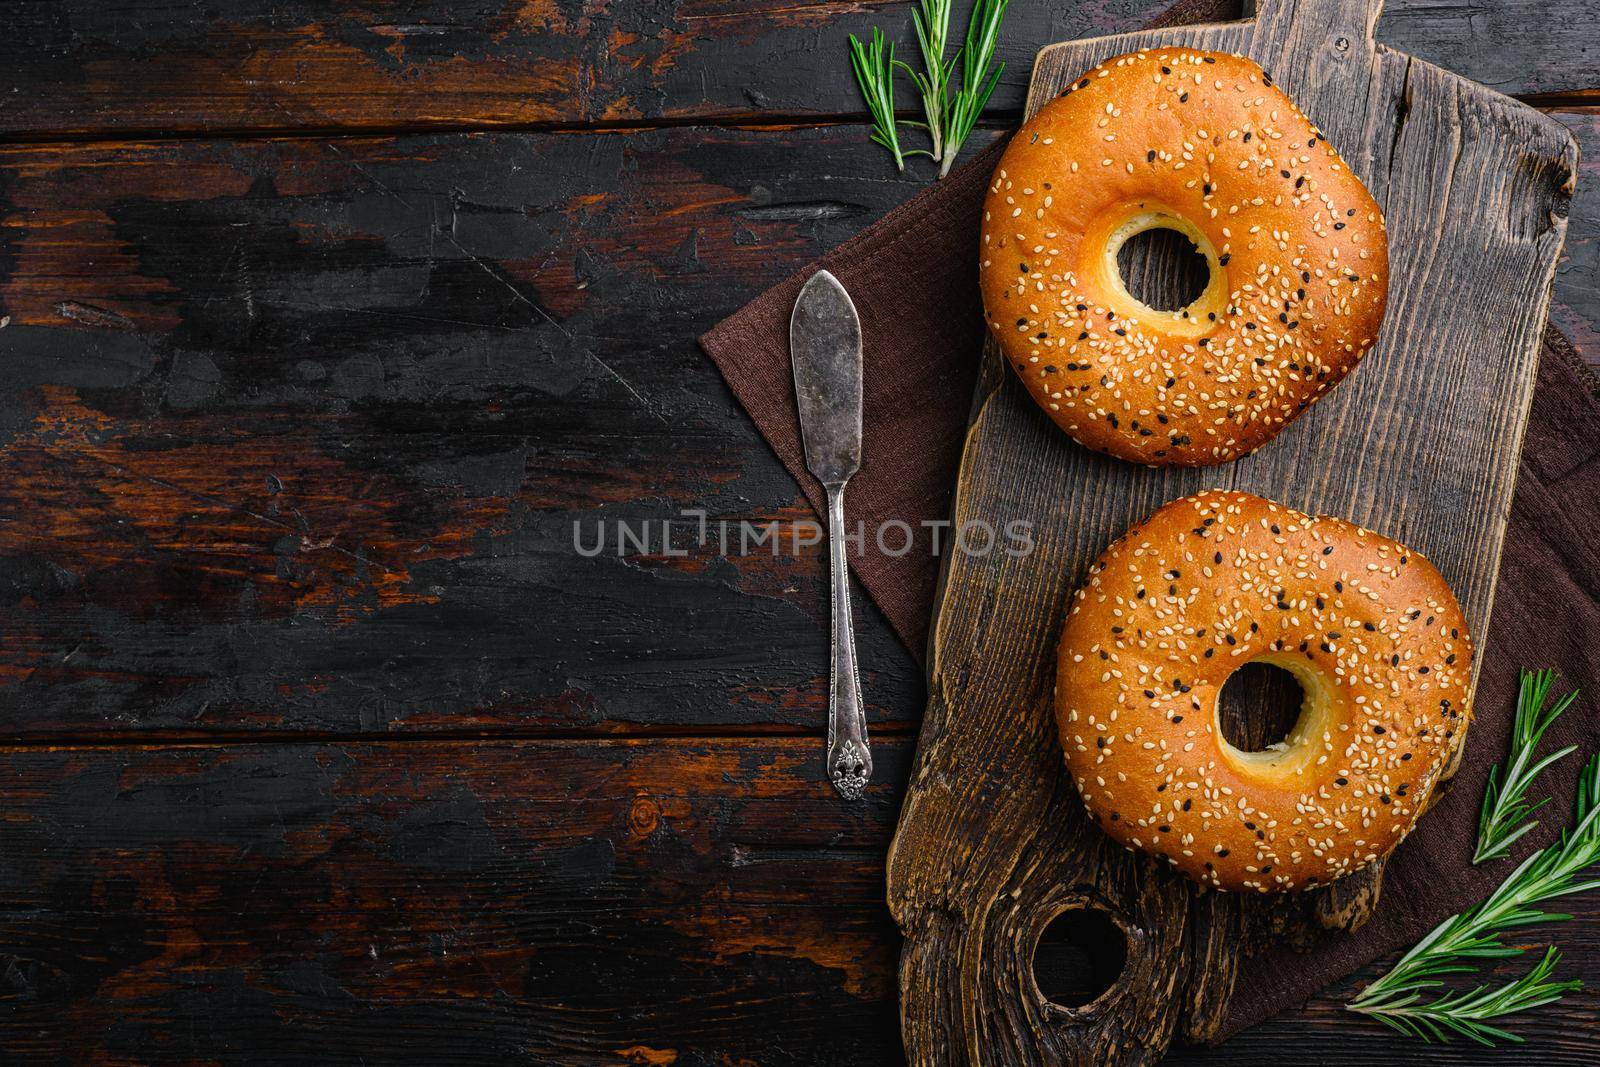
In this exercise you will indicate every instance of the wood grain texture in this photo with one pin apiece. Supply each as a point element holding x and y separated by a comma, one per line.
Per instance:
<point>294,433</point>
<point>296,436</point>
<point>694,903</point>
<point>535,903</point>
<point>281,332</point>
<point>993,842</point>
<point>92,67</point>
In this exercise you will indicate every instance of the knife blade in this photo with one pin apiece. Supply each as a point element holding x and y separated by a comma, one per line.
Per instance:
<point>825,350</point>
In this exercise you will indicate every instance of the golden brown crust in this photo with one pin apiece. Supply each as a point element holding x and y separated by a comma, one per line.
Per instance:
<point>1204,143</point>
<point>1212,582</point>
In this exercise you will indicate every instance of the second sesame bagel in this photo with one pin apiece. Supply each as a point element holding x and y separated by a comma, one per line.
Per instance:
<point>1204,144</point>
<point>1212,582</point>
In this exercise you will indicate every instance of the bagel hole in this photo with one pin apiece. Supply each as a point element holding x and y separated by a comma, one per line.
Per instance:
<point>1259,706</point>
<point>1162,269</point>
<point>1079,956</point>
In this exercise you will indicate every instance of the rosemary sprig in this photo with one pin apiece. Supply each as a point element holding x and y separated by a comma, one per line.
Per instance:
<point>950,105</point>
<point>932,19</point>
<point>874,66</point>
<point>1456,945</point>
<point>1504,818</point>
<point>983,33</point>
<point>1466,1013</point>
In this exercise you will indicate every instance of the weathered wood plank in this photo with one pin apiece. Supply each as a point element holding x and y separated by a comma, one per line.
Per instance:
<point>1575,307</point>
<point>295,433</point>
<point>487,903</point>
<point>698,902</point>
<point>94,68</point>
<point>993,841</point>
<point>269,476</point>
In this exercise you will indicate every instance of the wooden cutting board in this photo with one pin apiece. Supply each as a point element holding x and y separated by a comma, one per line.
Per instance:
<point>1420,443</point>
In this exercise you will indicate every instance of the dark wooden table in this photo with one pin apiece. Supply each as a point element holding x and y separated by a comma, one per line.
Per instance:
<point>323,327</point>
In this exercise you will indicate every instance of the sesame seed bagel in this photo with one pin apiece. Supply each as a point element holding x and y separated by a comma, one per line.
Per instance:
<point>1212,582</point>
<point>1206,145</point>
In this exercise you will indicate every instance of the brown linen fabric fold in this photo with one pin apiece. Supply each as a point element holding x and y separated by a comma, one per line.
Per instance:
<point>914,281</point>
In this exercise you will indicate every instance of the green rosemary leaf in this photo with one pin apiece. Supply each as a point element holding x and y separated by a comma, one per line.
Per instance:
<point>874,68</point>
<point>1467,1014</point>
<point>1396,997</point>
<point>1506,815</point>
<point>950,106</point>
<point>932,20</point>
<point>977,81</point>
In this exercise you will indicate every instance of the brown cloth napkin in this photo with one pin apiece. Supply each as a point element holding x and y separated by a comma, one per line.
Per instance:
<point>913,279</point>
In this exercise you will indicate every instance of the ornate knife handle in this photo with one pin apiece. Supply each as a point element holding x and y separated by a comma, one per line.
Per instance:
<point>849,758</point>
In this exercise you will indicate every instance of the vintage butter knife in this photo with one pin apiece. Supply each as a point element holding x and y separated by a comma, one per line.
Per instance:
<point>825,348</point>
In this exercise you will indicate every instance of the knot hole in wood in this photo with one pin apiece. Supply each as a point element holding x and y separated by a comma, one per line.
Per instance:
<point>1078,957</point>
